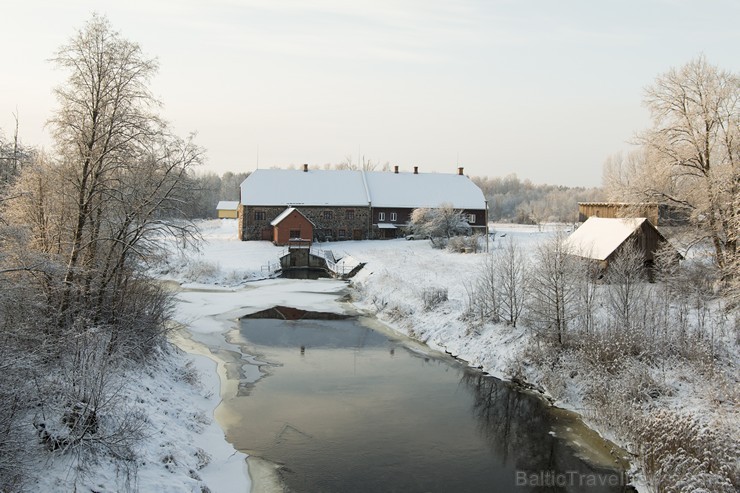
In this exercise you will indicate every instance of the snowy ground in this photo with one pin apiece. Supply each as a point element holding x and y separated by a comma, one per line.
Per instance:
<point>219,284</point>
<point>391,286</point>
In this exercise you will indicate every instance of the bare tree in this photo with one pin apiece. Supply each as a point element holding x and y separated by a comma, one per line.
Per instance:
<point>119,170</point>
<point>13,157</point>
<point>513,273</point>
<point>626,278</point>
<point>692,152</point>
<point>553,290</point>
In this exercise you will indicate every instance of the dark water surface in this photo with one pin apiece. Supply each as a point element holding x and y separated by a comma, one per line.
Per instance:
<point>342,408</point>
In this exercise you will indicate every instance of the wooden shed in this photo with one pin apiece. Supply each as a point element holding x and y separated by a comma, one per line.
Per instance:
<point>613,210</point>
<point>291,224</point>
<point>601,239</point>
<point>227,209</point>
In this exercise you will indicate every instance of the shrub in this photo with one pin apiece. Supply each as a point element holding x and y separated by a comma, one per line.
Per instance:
<point>433,297</point>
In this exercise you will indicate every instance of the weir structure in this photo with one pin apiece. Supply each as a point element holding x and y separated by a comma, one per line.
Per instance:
<point>302,255</point>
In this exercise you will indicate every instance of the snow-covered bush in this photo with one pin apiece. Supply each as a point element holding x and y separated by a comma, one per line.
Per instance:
<point>432,297</point>
<point>439,224</point>
<point>201,271</point>
<point>464,244</point>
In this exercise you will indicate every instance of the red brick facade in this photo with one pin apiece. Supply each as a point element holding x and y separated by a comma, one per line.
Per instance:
<point>293,226</point>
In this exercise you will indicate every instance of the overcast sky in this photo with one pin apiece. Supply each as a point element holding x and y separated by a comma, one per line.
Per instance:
<point>543,89</point>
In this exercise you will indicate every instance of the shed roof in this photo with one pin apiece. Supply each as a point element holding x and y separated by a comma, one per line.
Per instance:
<point>271,187</point>
<point>227,205</point>
<point>285,214</point>
<point>598,237</point>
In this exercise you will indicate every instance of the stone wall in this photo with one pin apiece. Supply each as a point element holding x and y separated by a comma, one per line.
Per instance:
<point>353,226</point>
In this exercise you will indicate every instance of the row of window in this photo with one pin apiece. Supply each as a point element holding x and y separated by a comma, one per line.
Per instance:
<point>350,214</point>
<point>394,217</point>
<point>327,215</point>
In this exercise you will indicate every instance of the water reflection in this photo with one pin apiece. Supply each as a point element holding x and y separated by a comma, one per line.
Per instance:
<point>520,429</point>
<point>343,408</point>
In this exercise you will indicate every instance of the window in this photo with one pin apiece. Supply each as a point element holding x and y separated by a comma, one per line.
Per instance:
<point>328,215</point>
<point>471,218</point>
<point>259,215</point>
<point>350,214</point>
<point>295,233</point>
<point>341,234</point>
<point>394,217</point>
<point>381,216</point>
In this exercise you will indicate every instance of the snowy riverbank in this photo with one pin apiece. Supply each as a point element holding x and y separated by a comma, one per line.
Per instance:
<point>392,286</point>
<point>218,288</point>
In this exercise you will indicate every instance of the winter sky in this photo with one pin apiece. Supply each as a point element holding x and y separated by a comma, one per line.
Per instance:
<point>544,89</point>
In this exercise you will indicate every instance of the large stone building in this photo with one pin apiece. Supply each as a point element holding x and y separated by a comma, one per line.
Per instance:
<point>352,204</point>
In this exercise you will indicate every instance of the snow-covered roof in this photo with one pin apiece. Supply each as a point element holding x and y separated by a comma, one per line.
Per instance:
<point>388,189</point>
<point>598,237</point>
<point>272,187</point>
<point>227,205</point>
<point>285,214</point>
<point>386,226</point>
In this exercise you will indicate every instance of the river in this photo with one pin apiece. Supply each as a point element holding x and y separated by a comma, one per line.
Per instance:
<point>324,403</point>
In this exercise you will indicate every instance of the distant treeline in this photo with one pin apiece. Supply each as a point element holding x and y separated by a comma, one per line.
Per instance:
<point>509,198</point>
<point>513,200</point>
<point>209,188</point>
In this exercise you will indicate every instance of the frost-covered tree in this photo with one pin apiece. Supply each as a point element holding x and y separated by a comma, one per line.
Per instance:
<point>439,223</point>
<point>116,177</point>
<point>13,157</point>
<point>76,234</point>
<point>512,280</point>
<point>690,158</point>
<point>553,290</point>
<point>626,279</point>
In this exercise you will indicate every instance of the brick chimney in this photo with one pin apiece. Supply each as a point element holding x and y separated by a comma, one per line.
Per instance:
<point>305,168</point>
<point>395,169</point>
<point>460,170</point>
<point>416,170</point>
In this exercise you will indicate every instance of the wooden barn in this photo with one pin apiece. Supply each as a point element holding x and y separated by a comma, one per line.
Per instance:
<point>291,225</point>
<point>613,210</point>
<point>227,209</point>
<point>601,239</point>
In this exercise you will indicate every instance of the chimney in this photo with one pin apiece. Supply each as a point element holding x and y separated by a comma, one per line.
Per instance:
<point>416,170</point>
<point>305,168</point>
<point>460,170</point>
<point>395,169</point>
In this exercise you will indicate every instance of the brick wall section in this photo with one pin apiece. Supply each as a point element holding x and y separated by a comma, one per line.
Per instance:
<point>294,222</point>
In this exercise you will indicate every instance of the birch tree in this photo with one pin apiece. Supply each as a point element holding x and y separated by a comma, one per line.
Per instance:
<point>118,167</point>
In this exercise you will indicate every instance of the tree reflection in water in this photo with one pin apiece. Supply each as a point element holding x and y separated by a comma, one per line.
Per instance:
<point>523,430</point>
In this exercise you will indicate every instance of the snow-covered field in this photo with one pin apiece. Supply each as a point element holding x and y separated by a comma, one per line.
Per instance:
<point>219,284</point>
